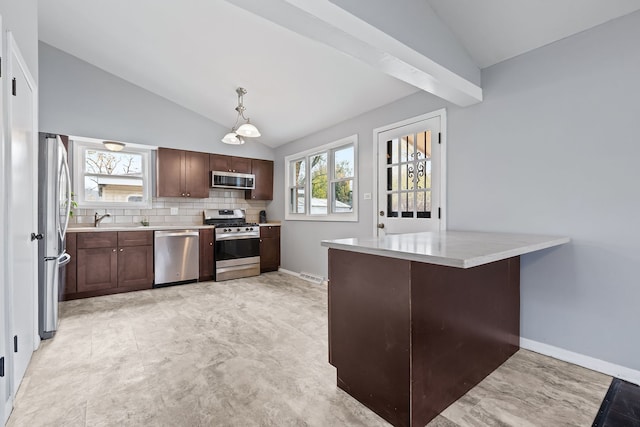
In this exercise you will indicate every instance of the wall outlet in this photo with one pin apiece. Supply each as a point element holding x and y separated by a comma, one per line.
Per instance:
<point>367,196</point>
<point>174,211</point>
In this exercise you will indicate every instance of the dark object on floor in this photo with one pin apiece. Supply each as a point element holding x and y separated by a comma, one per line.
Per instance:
<point>620,407</point>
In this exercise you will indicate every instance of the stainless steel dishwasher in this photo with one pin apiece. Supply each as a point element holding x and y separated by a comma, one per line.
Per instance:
<point>176,255</point>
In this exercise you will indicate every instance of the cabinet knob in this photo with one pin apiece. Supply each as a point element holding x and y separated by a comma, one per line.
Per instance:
<point>182,194</point>
<point>121,250</point>
<point>188,194</point>
<point>114,250</point>
<point>210,243</point>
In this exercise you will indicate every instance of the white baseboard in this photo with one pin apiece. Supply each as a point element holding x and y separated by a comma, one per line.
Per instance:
<point>588,362</point>
<point>298,275</point>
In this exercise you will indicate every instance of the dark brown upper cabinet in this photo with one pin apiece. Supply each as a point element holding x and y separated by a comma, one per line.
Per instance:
<point>182,173</point>
<point>218,162</point>
<point>263,170</point>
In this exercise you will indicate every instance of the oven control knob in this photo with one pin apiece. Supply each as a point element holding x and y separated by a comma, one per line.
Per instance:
<point>226,230</point>
<point>247,229</point>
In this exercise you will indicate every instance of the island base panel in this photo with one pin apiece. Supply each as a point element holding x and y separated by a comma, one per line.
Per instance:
<point>465,324</point>
<point>408,338</point>
<point>369,327</point>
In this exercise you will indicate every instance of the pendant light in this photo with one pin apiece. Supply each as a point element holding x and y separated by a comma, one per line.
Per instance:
<point>245,130</point>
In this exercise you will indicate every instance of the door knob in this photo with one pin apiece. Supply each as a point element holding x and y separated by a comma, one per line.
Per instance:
<point>381,213</point>
<point>35,236</point>
<point>381,225</point>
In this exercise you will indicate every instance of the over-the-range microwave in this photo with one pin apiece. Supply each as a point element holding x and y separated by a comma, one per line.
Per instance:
<point>234,180</point>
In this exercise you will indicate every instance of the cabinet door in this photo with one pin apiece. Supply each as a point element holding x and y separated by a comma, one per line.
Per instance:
<point>170,174</point>
<point>269,254</point>
<point>197,174</point>
<point>263,170</point>
<point>206,254</point>
<point>218,162</point>
<point>269,248</point>
<point>97,269</point>
<point>240,165</point>
<point>135,267</point>
<point>70,284</point>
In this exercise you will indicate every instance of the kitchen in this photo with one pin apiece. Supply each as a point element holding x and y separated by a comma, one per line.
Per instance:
<point>567,293</point>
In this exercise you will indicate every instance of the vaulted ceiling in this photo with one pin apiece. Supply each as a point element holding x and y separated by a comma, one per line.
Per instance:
<point>302,78</point>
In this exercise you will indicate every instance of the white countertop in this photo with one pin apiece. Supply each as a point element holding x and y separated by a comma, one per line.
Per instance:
<point>125,227</point>
<point>463,249</point>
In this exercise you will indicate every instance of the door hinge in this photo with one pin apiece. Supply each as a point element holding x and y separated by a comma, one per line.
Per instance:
<point>439,138</point>
<point>14,91</point>
<point>439,212</point>
<point>15,343</point>
<point>1,367</point>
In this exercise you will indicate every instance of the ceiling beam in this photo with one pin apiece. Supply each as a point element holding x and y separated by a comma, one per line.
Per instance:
<point>365,39</point>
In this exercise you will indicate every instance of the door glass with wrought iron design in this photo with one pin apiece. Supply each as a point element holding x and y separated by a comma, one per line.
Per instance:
<point>408,177</point>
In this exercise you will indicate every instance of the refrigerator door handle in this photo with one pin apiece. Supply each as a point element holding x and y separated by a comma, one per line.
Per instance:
<point>65,166</point>
<point>64,259</point>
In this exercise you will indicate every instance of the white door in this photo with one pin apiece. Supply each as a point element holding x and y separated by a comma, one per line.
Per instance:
<point>411,175</point>
<point>22,211</point>
<point>5,394</point>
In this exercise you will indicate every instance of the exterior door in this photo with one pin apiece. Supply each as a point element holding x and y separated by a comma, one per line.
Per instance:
<point>22,211</point>
<point>410,176</point>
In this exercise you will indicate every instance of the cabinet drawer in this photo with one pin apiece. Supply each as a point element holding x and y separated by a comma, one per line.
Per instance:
<point>98,239</point>
<point>269,231</point>
<point>135,238</point>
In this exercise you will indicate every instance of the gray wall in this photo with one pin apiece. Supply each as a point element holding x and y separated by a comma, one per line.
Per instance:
<point>77,98</point>
<point>21,18</point>
<point>553,149</point>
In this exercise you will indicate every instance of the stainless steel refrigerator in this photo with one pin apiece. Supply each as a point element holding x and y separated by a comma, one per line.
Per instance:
<point>54,204</point>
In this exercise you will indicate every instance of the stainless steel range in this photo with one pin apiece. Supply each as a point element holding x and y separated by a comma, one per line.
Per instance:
<point>237,244</point>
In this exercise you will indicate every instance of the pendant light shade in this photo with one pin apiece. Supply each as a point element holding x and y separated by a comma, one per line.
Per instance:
<point>233,139</point>
<point>245,130</point>
<point>248,130</point>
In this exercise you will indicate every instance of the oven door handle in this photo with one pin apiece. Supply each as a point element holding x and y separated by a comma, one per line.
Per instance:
<point>239,236</point>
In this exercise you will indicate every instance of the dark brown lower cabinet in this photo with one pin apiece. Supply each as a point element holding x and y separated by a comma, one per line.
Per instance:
<point>97,269</point>
<point>206,254</point>
<point>109,262</point>
<point>71,270</point>
<point>135,267</point>
<point>269,248</point>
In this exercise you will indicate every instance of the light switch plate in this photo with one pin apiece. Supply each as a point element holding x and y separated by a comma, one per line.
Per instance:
<point>174,211</point>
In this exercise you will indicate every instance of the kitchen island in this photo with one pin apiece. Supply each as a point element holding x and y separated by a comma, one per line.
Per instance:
<point>416,320</point>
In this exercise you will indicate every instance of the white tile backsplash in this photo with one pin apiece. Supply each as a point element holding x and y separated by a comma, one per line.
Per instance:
<point>189,210</point>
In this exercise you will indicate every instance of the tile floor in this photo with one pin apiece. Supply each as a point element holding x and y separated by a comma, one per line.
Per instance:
<point>249,352</point>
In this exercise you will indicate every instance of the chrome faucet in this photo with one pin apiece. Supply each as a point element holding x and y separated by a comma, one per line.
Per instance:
<point>97,218</point>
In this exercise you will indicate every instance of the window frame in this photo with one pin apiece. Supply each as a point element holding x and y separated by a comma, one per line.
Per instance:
<point>80,147</point>
<point>306,155</point>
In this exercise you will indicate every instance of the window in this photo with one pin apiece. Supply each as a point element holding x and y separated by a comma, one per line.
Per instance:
<point>104,178</point>
<point>321,183</point>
